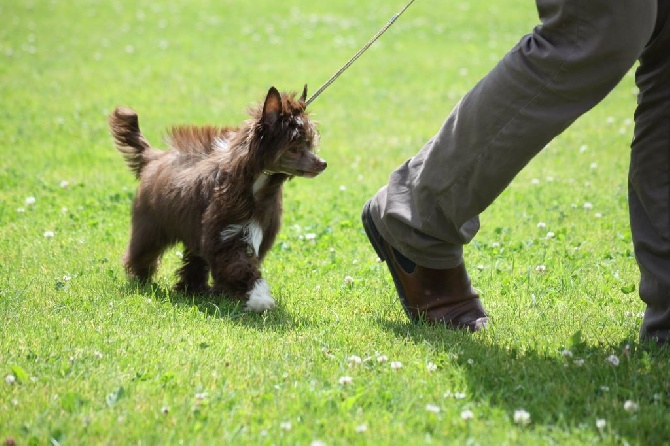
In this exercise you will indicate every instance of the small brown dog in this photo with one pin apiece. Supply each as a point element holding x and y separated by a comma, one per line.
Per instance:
<point>219,192</point>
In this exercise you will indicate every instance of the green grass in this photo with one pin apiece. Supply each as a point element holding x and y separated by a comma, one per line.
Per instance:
<point>96,360</point>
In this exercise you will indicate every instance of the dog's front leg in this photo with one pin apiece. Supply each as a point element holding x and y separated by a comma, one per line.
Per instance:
<point>236,273</point>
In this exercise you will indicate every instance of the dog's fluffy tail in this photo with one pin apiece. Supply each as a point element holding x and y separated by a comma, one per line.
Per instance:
<point>125,128</point>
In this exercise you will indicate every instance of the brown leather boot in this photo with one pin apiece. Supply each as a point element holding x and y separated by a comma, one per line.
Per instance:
<point>439,296</point>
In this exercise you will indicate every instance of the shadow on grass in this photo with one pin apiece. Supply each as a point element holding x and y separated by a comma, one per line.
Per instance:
<point>565,391</point>
<point>221,307</point>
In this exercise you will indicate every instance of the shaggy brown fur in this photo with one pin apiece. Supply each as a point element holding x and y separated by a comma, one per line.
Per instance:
<point>219,191</point>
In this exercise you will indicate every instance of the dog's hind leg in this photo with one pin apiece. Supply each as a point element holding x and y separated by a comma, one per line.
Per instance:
<point>144,251</point>
<point>193,274</point>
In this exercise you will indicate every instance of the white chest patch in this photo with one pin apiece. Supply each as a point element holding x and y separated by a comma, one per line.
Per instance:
<point>260,182</point>
<point>252,234</point>
<point>231,231</point>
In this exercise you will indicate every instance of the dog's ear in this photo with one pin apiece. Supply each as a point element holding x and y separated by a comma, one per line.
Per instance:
<point>303,96</point>
<point>272,107</point>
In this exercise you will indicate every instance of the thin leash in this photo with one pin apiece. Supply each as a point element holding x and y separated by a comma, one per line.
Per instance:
<point>358,54</point>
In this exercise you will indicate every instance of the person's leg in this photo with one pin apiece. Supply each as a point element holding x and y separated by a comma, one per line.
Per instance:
<point>430,206</point>
<point>649,180</point>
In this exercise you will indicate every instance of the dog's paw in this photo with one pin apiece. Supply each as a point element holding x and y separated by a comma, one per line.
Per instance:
<point>259,299</point>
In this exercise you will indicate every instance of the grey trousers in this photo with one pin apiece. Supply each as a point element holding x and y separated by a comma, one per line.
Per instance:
<point>568,64</point>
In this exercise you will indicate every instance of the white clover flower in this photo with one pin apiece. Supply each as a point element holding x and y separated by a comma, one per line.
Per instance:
<point>97,354</point>
<point>630,406</point>
<point>470,361</point>
<point>432,408</point>
<point>613,359</point>
<point>521,417</point>
<point>467,414</point>
<point>583,148</point>
<point>598,215</point>
<point>540,268</point>
<point>604,389</point>
<point>64,184</point>
<point>567,353</point>
<point>345,380</point>
<point>343,188</point>
<point>353,359</point>
<point>542,225</point>
<point>10,379</point>
<point>30,201</point>
<point>459,395</point>
<point>601,423</point>
<point>587,205</point>
<point>317,443</point>
<point>361,428</point>
<point>165,410</point>
<point>535,181</point>
<point>382,358</point>
<point>348,280</point>
<point>285,425</point>
<point>201,395</point>
<point>49,234</point>
<point>578,362</point>
<point>431,367</point>
<point>396,365</point>
<point>550,234</point>
<point>594,165</point>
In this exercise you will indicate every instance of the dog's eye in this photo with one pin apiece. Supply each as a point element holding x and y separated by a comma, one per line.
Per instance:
<point>295,150</point>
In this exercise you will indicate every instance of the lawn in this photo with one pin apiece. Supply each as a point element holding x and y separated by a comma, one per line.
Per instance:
<point>88,358</point>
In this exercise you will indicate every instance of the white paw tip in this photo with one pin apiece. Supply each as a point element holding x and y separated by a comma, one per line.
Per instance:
<point>259,298</point>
